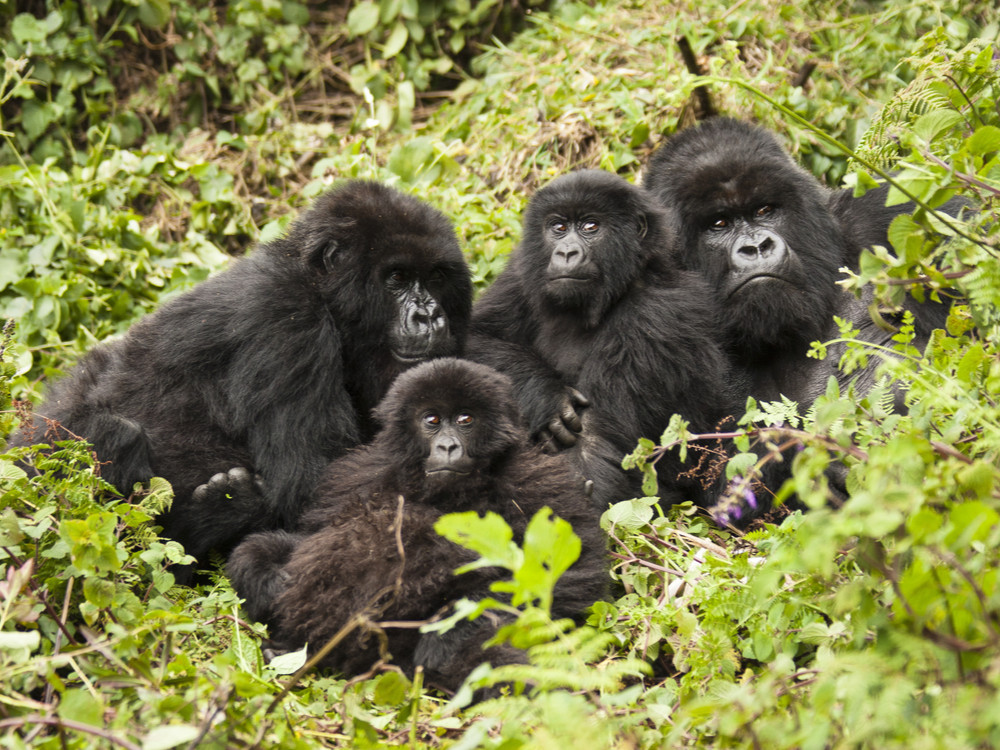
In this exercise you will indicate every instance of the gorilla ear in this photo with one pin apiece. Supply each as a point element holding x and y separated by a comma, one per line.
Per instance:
<point>323,245</point>
<point>642,226</point>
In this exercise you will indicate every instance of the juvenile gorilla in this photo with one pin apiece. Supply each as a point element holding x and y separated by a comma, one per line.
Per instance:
<point>770,240</point>
<point>603,339</point>
<point>273,364</point>
<point>451,441</point>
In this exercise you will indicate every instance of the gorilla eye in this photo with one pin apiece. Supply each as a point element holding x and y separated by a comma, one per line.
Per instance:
<point>559,226</point>
<point>396,276</point>
<point>431,419</point>
<point>720,223</point>
<point>464,419</point>
<point>764,210</point>
<point>590,226</point>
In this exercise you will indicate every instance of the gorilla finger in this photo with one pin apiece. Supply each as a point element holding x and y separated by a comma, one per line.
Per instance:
<point>570,418</point>
<point>563,437</point>
<point>212,488</point>
<point>578,398</point>
<point>242,482</point>
<point>547,443</point>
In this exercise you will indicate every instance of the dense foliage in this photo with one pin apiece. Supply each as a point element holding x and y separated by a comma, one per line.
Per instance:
<point>145,141</point>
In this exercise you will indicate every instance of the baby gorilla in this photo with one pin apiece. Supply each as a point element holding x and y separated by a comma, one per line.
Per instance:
<point>451,440</point>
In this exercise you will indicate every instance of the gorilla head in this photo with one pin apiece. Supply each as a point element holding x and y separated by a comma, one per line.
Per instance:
<point>757,227</point>
<point>452,420</point>
<point>391,270</point>
<point>587,237</point>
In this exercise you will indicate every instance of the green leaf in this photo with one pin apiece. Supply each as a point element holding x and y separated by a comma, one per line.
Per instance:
<point>81,706</point>
<point>291,662</point>
<point>396,41</point>
<point>391,689</point>
<point>489,536</point>
<point>154,13</point>
<point>17,647</point>
<point>99,592</point>
<point>629,514</point>
<point>550,548</point>
<point>25,28</point>
<point>985,140</point>
<point>930,125</point>
<point>294,13</point>
<point>166,737</point>
<point>362,18</point>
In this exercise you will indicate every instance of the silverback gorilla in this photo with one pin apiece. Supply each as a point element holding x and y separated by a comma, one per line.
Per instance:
<point>451,441</point>
<point>770,240</point>
<point>273,364</point>
<point>603,339</point>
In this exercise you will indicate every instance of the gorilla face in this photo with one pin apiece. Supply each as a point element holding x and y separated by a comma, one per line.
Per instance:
<point>419,330</point>
<point>757,227</point>
<point>586,241</point>
<point>455,418</point>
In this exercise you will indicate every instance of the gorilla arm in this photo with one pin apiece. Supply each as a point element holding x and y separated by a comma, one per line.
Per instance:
<point>501,336</point>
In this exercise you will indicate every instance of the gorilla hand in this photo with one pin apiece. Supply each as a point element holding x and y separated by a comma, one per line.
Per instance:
<point>564,428</point>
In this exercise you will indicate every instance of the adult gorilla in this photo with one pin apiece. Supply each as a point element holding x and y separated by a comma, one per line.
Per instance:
<point>770,240</point>
<point>451,441</point>
<point>591,311</point>
<point>273,364</point>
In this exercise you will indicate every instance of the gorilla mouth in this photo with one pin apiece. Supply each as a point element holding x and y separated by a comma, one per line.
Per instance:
<point>410,358</point>
<point>447,472</point>
<point>760,277</point>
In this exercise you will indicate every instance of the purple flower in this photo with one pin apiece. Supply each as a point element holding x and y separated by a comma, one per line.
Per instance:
<point>750,498</point>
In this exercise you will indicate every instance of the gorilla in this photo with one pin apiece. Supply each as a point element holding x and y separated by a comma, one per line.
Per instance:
<point>770,240</point>
<point>603,338</point>
<point>273,364</point>
<point>451,441</point>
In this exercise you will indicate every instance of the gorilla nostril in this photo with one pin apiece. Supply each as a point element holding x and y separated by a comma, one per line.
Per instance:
<point>748,251</point>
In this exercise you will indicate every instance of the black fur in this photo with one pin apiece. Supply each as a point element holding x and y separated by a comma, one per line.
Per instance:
<point>308,585</point>
<point>770,240</point>
<point>273,364</point>
<point>591,301</point>
<point>738,173</point>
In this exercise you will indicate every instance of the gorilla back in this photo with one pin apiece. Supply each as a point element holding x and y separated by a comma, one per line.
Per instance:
<point>273,364</point>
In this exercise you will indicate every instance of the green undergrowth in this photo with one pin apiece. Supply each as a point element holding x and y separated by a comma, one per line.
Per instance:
<point>145,143</point>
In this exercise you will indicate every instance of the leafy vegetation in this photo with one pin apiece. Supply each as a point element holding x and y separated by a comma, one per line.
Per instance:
<point>145,142</point>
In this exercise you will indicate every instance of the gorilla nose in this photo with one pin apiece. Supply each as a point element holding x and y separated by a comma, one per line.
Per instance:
<point>758,253</point>
<point>566,258</point>
<point>429,318</point>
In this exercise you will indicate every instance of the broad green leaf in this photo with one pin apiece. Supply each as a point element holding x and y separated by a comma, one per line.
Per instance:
<point>362,18</point>
<point>154,13</point>
<point>396,41</point>
<point>25,28</point>
<point>80,705</point>
<point>629,514</point>
<point>488,535</point>
<point>391,689</point>
<point>291,662</point>
<point>985,140</point>
<point>933,123</point>
<point>166,737</point>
